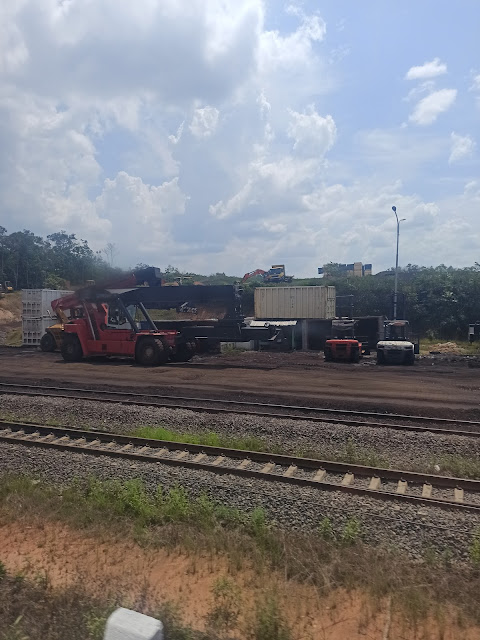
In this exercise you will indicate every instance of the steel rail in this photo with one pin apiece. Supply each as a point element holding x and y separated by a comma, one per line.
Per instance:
<point>274,467</point>
<point>164,401</point>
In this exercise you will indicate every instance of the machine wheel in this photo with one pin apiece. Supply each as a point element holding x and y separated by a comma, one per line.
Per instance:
<point>327,355</point>
<point>47,343</point>
<point>71,348</point>
<point>150,352</point>
<point>356,357</point>
<point>380,357</point>
<point>410,359</point>
<point>184,352</point>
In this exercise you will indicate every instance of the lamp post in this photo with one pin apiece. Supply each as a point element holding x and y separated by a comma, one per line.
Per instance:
<point>394,209</point>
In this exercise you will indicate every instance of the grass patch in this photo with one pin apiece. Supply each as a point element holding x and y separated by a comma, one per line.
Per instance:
<point>332,557</point>
<point>210,439</point>
<point>458,466</point>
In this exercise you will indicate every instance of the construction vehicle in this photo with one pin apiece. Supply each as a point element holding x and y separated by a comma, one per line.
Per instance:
<point>66,309</point>
<point>7,286</point>
<point>114,321</point>
<point>343,346</point>
<point>275,274</point>
<point>474,332</point>
<point>396,348</point>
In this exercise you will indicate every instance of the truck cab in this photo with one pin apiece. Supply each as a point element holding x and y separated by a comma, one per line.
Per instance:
<point>396,348</point>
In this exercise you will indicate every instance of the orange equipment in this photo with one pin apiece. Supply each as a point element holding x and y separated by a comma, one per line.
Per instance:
<point>342,347</point>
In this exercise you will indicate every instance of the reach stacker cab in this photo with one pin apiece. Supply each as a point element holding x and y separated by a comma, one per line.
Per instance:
<point>343,346</point>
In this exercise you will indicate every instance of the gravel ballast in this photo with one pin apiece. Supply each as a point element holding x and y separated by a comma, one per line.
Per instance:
<point>418,451</point>
<point>406,527</point>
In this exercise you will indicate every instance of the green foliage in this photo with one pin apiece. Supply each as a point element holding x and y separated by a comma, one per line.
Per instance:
<point>52,281</point>
<point>475,547</point>
<point>269,623</point>
<point>325,529</point>
<point>351,532</point>
<point>30,261</point>
<point>209,438</point>
<point>225,610</point>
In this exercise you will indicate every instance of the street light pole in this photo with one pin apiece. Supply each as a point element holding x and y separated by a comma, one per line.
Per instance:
<point>395,294</point>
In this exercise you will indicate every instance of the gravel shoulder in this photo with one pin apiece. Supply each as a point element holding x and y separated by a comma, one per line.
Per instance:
<point>404,527</point>
<point>376,446</point>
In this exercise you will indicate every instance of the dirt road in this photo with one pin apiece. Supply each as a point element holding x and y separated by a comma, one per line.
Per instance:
<point>429,388</point>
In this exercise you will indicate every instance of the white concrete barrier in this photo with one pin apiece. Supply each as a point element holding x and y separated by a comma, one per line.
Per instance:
<point>125,624</point>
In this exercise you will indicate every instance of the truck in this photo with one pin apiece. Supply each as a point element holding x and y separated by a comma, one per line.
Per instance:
<point>396,347</point>
<point>343,346</point>
<point>275,274</point>
<point>104,321</point>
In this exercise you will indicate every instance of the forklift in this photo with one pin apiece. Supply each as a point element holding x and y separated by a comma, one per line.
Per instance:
<point>343,346</point>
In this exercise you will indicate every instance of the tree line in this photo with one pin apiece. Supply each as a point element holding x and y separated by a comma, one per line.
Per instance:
<point>438,301</point>
<point>57,262</point>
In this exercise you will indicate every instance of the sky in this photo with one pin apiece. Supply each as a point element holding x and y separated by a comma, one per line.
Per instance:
<point>230,135</point>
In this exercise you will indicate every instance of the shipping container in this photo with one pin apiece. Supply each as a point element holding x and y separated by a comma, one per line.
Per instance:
<point>34,328</point>
<point>292,303</point>
<point>36,303</point>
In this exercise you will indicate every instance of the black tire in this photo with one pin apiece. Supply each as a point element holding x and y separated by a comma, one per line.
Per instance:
<point>47,343</point>
<point>410,359</point>
<point>71,349</point>
<point>356,357</point>
<point>380,357</point>
<point>184,352</point>
<point>150,352</point>
<point>328,355</point>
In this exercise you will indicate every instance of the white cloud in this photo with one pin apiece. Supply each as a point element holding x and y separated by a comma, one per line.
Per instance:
<point>204,122</point>
<point>429,108</point>
<point>476,83</point>
<point>313,134</point>
<point>427,70</point>
<point>462,147</point>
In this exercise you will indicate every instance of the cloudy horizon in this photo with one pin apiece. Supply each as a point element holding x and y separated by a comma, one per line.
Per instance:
<point>226,135</point>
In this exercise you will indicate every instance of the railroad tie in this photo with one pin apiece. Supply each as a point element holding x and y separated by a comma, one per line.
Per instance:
<point>290,471</point>
<point>181,454</point>
<point>62,439</point>
<point>268,467</point>
<point>126,447</point>
<point>320,475</point>
<point>199,457</point>
<point>109,445</point>
<point>347,479</point>
<point>427,490</point>
<point>160,452</point>
<point>458,494</point>
<point>375,483</point>
<point>402,487</point>
<point>244,464</point>
<point>92,443</point>
<point>218,461</point>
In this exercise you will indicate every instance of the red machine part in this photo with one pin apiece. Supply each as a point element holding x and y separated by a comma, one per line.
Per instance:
<point>252,274</point>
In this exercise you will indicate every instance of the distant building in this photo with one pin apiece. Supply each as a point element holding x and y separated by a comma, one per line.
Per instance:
<point>356,269</point>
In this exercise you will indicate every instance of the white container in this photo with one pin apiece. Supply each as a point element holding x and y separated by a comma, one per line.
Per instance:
<point>37,302</point>
<point>34,328</point>
<point>294,303</point>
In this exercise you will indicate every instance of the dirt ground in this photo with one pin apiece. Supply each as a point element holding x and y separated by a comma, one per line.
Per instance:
<point>436,385</point>
<point>110,565</point>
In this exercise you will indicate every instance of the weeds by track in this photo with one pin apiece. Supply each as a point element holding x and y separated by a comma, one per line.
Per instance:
<point>356,480</point>
<point>399,422</point>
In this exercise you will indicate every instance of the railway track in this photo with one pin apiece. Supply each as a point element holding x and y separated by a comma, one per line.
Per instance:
<point>449,426</point>
<point>384,484</point>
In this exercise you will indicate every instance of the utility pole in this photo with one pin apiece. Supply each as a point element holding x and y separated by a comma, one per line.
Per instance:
<point>395,293</point>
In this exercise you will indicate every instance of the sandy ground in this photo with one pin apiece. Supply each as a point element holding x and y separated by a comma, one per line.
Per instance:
<point>109,565</point>
<point>431,387</point>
